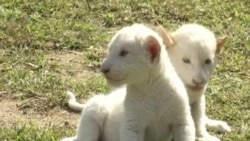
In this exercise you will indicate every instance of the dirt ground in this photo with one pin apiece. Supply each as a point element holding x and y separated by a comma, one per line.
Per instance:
<point>11,114</point>
<point>12,111</point>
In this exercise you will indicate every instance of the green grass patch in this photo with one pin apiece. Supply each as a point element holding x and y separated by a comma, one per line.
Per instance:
<point>31,132</point>
<point>48,47</point>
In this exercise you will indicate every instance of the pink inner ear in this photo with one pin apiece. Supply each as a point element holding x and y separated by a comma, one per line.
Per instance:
<point>153,47</point>
<point>154,50</point>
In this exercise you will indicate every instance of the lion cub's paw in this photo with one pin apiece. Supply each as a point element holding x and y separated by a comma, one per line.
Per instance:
<point>219,126</point>
<point>222,127</point>
<point>208,138</point>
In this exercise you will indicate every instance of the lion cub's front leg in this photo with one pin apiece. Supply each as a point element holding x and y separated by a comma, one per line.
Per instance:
<point>199,117</point>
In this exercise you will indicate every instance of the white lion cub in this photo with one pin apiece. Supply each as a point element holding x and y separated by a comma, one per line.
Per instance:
<point>193,50</point>
<point>154,106</point>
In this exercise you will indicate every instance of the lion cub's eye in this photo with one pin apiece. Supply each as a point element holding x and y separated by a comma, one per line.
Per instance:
<point>207,61</point>
<point>123,53</point>
<point>185,60</point>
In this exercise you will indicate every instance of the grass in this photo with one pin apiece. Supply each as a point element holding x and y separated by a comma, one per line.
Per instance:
<point>48,47</point>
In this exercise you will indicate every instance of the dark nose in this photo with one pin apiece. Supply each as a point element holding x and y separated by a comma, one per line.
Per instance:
<point>105,70</point>
<point>197,82</point>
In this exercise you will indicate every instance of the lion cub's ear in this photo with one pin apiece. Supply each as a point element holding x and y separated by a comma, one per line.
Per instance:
<point>220,44</point>
<point>153,48</point>
<point>167,38</point>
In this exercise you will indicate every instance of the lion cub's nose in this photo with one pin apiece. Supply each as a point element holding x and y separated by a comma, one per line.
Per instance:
<point>105,70</point>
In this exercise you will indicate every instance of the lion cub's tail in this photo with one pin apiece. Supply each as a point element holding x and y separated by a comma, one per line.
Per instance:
<point>72,103</point>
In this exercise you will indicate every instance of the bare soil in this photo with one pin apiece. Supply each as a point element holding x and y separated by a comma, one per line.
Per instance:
<point>11,114</point>
<point>72,65</point>
<point>12,111</point>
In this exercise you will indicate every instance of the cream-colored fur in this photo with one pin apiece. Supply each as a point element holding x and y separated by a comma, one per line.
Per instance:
<point>152,106</point>
<point>193,50</point>
<point>185,42</point>
<point>99,110</point>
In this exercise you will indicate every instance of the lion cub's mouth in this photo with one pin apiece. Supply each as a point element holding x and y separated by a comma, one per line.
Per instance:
<point>112,79</point>
<point>195,88</point>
